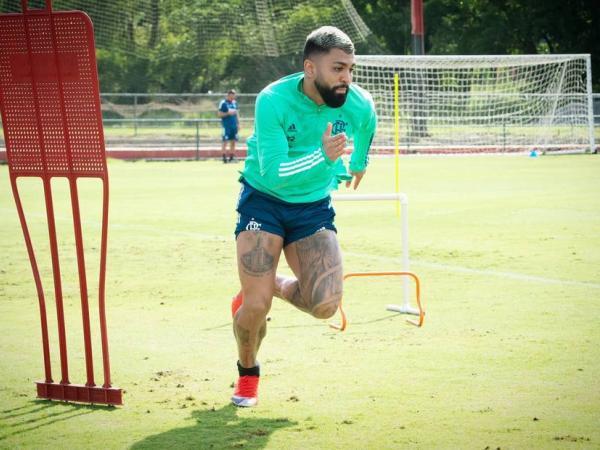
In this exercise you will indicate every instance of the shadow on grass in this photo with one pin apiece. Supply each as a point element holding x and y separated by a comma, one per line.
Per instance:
<point>217,429</point>
<point>335,319</point>
<point>227,326</point>
<point>41,413</point>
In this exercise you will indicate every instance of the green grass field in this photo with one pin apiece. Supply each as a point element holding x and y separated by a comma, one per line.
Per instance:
<point>508,251</point>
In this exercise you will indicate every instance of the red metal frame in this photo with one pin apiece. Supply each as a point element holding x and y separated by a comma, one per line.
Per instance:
<point>50,105</point>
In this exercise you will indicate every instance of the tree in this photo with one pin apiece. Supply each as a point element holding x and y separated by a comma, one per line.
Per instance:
<point>197,45</point>
<point>491,27</point>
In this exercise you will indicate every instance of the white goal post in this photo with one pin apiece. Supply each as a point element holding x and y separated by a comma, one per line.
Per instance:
<point>489,103</point>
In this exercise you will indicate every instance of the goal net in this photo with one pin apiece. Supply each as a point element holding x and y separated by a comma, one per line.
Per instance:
<point>208,28</point>
<point>482,103</point>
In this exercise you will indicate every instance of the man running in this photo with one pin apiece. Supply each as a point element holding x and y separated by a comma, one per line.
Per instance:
<point>302,125</point>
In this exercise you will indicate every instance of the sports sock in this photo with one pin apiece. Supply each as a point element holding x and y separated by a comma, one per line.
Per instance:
<point>248,371</point>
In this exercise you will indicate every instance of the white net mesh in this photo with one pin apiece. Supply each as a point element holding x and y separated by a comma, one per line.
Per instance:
<point>479,103</point>
<point>209,28</point>
<point>169,120</point>
<point>170,106</point>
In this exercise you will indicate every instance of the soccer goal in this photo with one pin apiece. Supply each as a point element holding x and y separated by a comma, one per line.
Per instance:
<point>482,103</point>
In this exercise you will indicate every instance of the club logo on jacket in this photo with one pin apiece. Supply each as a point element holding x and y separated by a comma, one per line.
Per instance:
<point>291,129</point>
<point>339,126</point>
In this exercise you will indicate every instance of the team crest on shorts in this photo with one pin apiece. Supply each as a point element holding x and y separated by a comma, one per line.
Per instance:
<point>253,225</point>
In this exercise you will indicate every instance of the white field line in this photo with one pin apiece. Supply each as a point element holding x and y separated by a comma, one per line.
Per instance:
<point>396,261</point>
<point>486,272</point>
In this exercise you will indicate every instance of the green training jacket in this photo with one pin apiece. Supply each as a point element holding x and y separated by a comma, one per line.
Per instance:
<point>285,158</point>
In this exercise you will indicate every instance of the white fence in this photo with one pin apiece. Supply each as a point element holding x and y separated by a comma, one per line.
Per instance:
<point>189,121</point>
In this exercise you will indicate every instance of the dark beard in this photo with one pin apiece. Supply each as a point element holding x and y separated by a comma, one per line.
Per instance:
<point>330,97</point>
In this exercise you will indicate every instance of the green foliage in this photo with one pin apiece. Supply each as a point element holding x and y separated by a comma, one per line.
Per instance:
<point>198,45</point>
<point>299,17</point>
<point>390,22</point>
<point>491,27</point>
<point>119,72</point>
<point>161,113</point>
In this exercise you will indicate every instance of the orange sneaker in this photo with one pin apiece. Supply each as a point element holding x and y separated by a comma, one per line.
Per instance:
<point>236,302</point>
<point>246,392</point>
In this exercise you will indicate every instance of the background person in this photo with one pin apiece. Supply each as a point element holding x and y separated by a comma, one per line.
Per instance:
<point>230,121</point>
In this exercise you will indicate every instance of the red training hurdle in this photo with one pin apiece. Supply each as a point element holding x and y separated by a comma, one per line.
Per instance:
<point>50,105</point>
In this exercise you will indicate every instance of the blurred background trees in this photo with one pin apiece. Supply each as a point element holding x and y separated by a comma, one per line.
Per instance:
<point>202,45</point>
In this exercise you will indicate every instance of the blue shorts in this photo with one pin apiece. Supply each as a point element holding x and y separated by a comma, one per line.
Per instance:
<point>258,211</point>
<point>230,134</point>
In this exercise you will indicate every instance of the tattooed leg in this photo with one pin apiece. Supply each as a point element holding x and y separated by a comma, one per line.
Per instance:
<point>288,289</point>
<point>257,254</point>
<point>317,263</point>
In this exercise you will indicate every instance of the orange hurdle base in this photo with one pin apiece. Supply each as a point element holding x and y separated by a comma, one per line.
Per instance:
<point>404,309</point>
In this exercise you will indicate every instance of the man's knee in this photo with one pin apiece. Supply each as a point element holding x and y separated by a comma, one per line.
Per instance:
<point>256,307</point>
<point>327,307</point>
<point>326,294</point>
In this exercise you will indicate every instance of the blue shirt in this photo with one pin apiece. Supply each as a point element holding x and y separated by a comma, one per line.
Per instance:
<point>228,121</point>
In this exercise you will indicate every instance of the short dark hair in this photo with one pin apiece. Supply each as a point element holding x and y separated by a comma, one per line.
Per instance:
<point>323,39</point>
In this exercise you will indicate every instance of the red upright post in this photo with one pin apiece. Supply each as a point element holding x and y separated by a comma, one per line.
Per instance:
<point>50,105</point>
<point>417,27</point>
<point>101,290</point>
<point>37,279</point>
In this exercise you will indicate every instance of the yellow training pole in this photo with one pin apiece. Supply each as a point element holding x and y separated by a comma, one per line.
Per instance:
<point>397,139</point>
